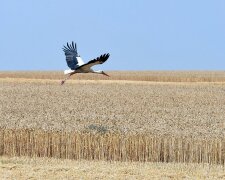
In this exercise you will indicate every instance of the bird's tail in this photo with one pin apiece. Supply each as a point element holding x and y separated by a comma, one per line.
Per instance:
<point>68,71</point>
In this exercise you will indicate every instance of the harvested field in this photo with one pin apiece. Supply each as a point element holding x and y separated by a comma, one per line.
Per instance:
<point>48,168</point>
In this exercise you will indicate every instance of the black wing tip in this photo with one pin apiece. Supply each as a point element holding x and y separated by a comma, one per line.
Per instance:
<point>106,56</point>
<point>103,58</point>
<point>70,47</point>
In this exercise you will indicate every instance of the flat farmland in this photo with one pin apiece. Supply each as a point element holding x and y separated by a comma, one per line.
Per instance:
<point>160,108</point>
<point>140,125</point>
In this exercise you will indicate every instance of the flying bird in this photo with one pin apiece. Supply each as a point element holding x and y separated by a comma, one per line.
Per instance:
<point>76,64</point>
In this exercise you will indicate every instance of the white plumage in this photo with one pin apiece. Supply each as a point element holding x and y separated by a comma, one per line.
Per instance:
<point>68,71</point>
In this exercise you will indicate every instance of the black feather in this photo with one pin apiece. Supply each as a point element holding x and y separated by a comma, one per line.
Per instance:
<point>71,47</point>
<point>68,46</point>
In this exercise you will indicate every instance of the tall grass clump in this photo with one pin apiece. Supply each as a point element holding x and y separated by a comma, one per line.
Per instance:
<point>110,146</point>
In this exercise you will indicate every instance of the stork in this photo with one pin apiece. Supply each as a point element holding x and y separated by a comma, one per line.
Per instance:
<point>76,64</point>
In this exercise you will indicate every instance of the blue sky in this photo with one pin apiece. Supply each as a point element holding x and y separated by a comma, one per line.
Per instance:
<point>139,34</point>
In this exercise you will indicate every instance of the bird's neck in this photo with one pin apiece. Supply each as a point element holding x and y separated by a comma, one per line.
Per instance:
<point>98,71</point>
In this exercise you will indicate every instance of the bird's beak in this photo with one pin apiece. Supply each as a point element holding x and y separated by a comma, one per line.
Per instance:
<point>105,74</point>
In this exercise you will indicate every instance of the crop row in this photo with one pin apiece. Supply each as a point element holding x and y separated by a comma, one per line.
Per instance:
<point>110,147</point>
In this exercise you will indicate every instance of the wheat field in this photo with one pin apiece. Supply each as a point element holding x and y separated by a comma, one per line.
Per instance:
<point>110,147</point>
<point>158,108</point>
<point>169,117</point>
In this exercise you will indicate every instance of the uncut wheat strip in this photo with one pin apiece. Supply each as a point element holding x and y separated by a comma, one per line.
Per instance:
<point>139,149</point>
<point>7,143</point>
<point>55,145</point>
<point>71,146</point>
<point>106,141</point>
<point>110,147</point>
<point>214,152</point>
<point>194,150</point>
<point>99,152</point>
<point>2,142</point>
<point>91,147</point>
<point>223,151</point>
<point>220,151</point>
<point>142,148</point>
<point>64,144</point>
<point>114,145</point>
<point>42,144</point>
<point>145,148</point>
<point>104,146</point>
<point>10,143</point>
<point>85,146</point>
<point>22,136</point>
<point>180,144</point>
<point>133,148</point>
<point>165,149</point>
<point>128,148</point>
<point>158,149</point>
<point>217,151</point>
<point>119,147</point>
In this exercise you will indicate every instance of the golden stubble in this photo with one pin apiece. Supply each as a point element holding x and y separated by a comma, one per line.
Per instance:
<point>50,168</point>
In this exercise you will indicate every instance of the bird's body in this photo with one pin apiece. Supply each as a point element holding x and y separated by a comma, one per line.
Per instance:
<point>77,65</point>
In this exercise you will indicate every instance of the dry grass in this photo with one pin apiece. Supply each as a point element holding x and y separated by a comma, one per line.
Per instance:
<point>111,147</point>
<point>159,76</point>
<point>46,168</point>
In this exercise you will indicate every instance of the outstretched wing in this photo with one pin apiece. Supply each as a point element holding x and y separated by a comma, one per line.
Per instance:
<point>72,59</point>
<point>99,60</point>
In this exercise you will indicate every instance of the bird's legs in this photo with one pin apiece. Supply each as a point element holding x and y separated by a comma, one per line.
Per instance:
<point>63,81</point>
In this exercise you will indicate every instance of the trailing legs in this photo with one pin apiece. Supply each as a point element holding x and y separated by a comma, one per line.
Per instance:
<point>63,81</point>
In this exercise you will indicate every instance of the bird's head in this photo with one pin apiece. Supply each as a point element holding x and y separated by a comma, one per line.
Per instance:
<point>104,73</point>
